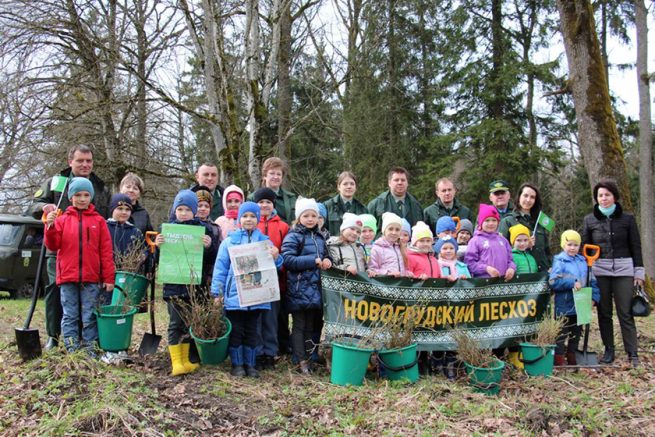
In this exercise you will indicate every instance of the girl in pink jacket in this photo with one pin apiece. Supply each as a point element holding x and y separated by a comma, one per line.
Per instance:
<point>421,260</point>
<point>388,254</point>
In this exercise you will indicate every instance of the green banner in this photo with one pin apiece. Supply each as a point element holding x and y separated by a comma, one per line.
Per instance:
<point>495,312</point>
<point>180,257</point>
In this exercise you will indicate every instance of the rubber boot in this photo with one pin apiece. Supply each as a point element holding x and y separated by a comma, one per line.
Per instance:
<point>571,360</point>
<point>188,365</point>
<point>250,361</point>
<point>449,369</point>
<point>236,356</point>
<point>514,360</point>
<point>559,360</point>
<point>176,360</point>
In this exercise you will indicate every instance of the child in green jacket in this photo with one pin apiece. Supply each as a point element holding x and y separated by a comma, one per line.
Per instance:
<point>519,238</point>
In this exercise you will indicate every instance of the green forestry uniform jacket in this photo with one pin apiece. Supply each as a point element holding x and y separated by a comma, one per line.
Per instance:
<point>336,209</point>
<point>437,210</point>
<point>385,202</point>
<point>541,249</point>
<point>285,205</point>
<point>45,195</point>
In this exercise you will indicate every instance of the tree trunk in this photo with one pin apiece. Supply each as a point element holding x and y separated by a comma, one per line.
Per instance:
<point>252,45</point>
<point>284,82</point>
<point>599,140</point>
<point>646,192</point>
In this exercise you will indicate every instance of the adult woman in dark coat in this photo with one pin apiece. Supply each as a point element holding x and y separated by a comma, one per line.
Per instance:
<point>526,212</point>
<point>619,268</point>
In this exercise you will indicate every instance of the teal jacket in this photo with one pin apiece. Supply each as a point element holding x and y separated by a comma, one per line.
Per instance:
<point>437,210</point>
<point>385,202</point>
<point>336,209</point>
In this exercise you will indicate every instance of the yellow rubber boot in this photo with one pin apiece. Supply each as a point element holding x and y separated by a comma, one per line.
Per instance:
<point>513,358</point>
<point>188,365</point>
<point>176,360</point>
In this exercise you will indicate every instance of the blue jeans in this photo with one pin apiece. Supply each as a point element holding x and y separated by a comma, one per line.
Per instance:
<point>73,298</point>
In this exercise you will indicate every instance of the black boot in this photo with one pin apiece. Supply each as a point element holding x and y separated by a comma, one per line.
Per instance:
<point>633,359</point>
<point>52,343</point>
<point>608,356</point>
<point>238,371</point>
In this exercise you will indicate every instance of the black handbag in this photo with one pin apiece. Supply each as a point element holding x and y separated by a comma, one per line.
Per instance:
<point>640,305</point>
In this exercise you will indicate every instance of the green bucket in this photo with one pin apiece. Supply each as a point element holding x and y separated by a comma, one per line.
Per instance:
<point>349,364</point>
<point>538,360</point>
<point>213,352</point>
<point>133,285</point>
<point>401,363</point>
<point>115,327</point>
<point>486,379</point>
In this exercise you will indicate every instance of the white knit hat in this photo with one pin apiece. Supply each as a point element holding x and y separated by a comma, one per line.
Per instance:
<point>389,218</point>
<point>351,220</point>
<point>304,204</point>
<point>420,230</point>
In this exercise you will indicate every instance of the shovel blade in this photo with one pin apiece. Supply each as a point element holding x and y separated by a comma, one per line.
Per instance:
<point>149,344</point>
<point>28,342</point>
<point>585,358</point>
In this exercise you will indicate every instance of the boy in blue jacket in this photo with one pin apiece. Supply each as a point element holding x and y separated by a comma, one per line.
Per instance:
<point>243,338</point>
<point>568,275</point>
<point>185,207</point>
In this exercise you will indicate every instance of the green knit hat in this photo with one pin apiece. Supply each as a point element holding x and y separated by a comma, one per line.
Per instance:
<point>368,221</point>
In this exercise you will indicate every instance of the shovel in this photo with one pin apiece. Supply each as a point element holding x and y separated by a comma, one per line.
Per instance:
<point>583,357</point>
<point>27,339</point>
<point>151,340</point>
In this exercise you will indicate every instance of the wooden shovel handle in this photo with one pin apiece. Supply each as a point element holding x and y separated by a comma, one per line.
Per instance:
<point>591,257</point>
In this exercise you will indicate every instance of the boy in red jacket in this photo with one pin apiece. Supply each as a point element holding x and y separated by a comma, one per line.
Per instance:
<point>273,325</point>
<point>84,261</point>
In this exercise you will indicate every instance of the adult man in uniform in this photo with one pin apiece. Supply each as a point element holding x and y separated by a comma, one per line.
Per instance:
<point>500,197</point>
<point>207,175</point>
<point>445,205</point>
<point>80,164</point>
<point>397,199</point>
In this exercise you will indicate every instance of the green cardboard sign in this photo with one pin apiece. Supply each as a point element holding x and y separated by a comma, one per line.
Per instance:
<point>582,300</point>
<point>180,257</point>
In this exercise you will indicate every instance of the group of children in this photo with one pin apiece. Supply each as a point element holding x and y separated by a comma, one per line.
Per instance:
<point>85,244</point>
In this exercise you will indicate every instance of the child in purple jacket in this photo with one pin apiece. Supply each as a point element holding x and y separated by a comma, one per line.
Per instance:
<point>489,254</point>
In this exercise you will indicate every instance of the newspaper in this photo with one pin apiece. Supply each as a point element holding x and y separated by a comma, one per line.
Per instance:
<point>255,273</point>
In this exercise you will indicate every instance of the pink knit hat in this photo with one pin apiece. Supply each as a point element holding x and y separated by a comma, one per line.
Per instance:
<point>487,211</point>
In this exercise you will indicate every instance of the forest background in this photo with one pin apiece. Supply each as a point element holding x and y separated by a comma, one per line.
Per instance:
<point>474,90</point>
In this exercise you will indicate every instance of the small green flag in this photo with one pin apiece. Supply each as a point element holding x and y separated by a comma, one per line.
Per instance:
<point>545,222</point>
<point>58,183</point>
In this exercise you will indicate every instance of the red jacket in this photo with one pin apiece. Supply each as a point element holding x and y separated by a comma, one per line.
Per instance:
<point>83,245</point>
<point>420,263</point>
<point>276,230</point>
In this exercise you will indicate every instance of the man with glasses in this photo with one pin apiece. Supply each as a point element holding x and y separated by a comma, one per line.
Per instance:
<point>499,196</point>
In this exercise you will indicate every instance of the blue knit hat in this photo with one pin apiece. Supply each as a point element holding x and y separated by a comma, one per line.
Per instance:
<point>322,211</point>
<point>249,207</point>
<point>446,223</point>
<point>406,227</point>
<point>80,184</point>
<point>119,199</point>
<point>441,241</point>
<point>186,198</point>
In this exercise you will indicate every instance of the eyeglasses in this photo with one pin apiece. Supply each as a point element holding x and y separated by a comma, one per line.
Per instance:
<point>499,192</point>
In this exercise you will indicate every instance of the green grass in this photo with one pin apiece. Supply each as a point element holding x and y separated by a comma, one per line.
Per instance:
<point>61,394</point>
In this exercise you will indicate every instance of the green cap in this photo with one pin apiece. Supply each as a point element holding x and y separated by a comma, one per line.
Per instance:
<point>498,185</point>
